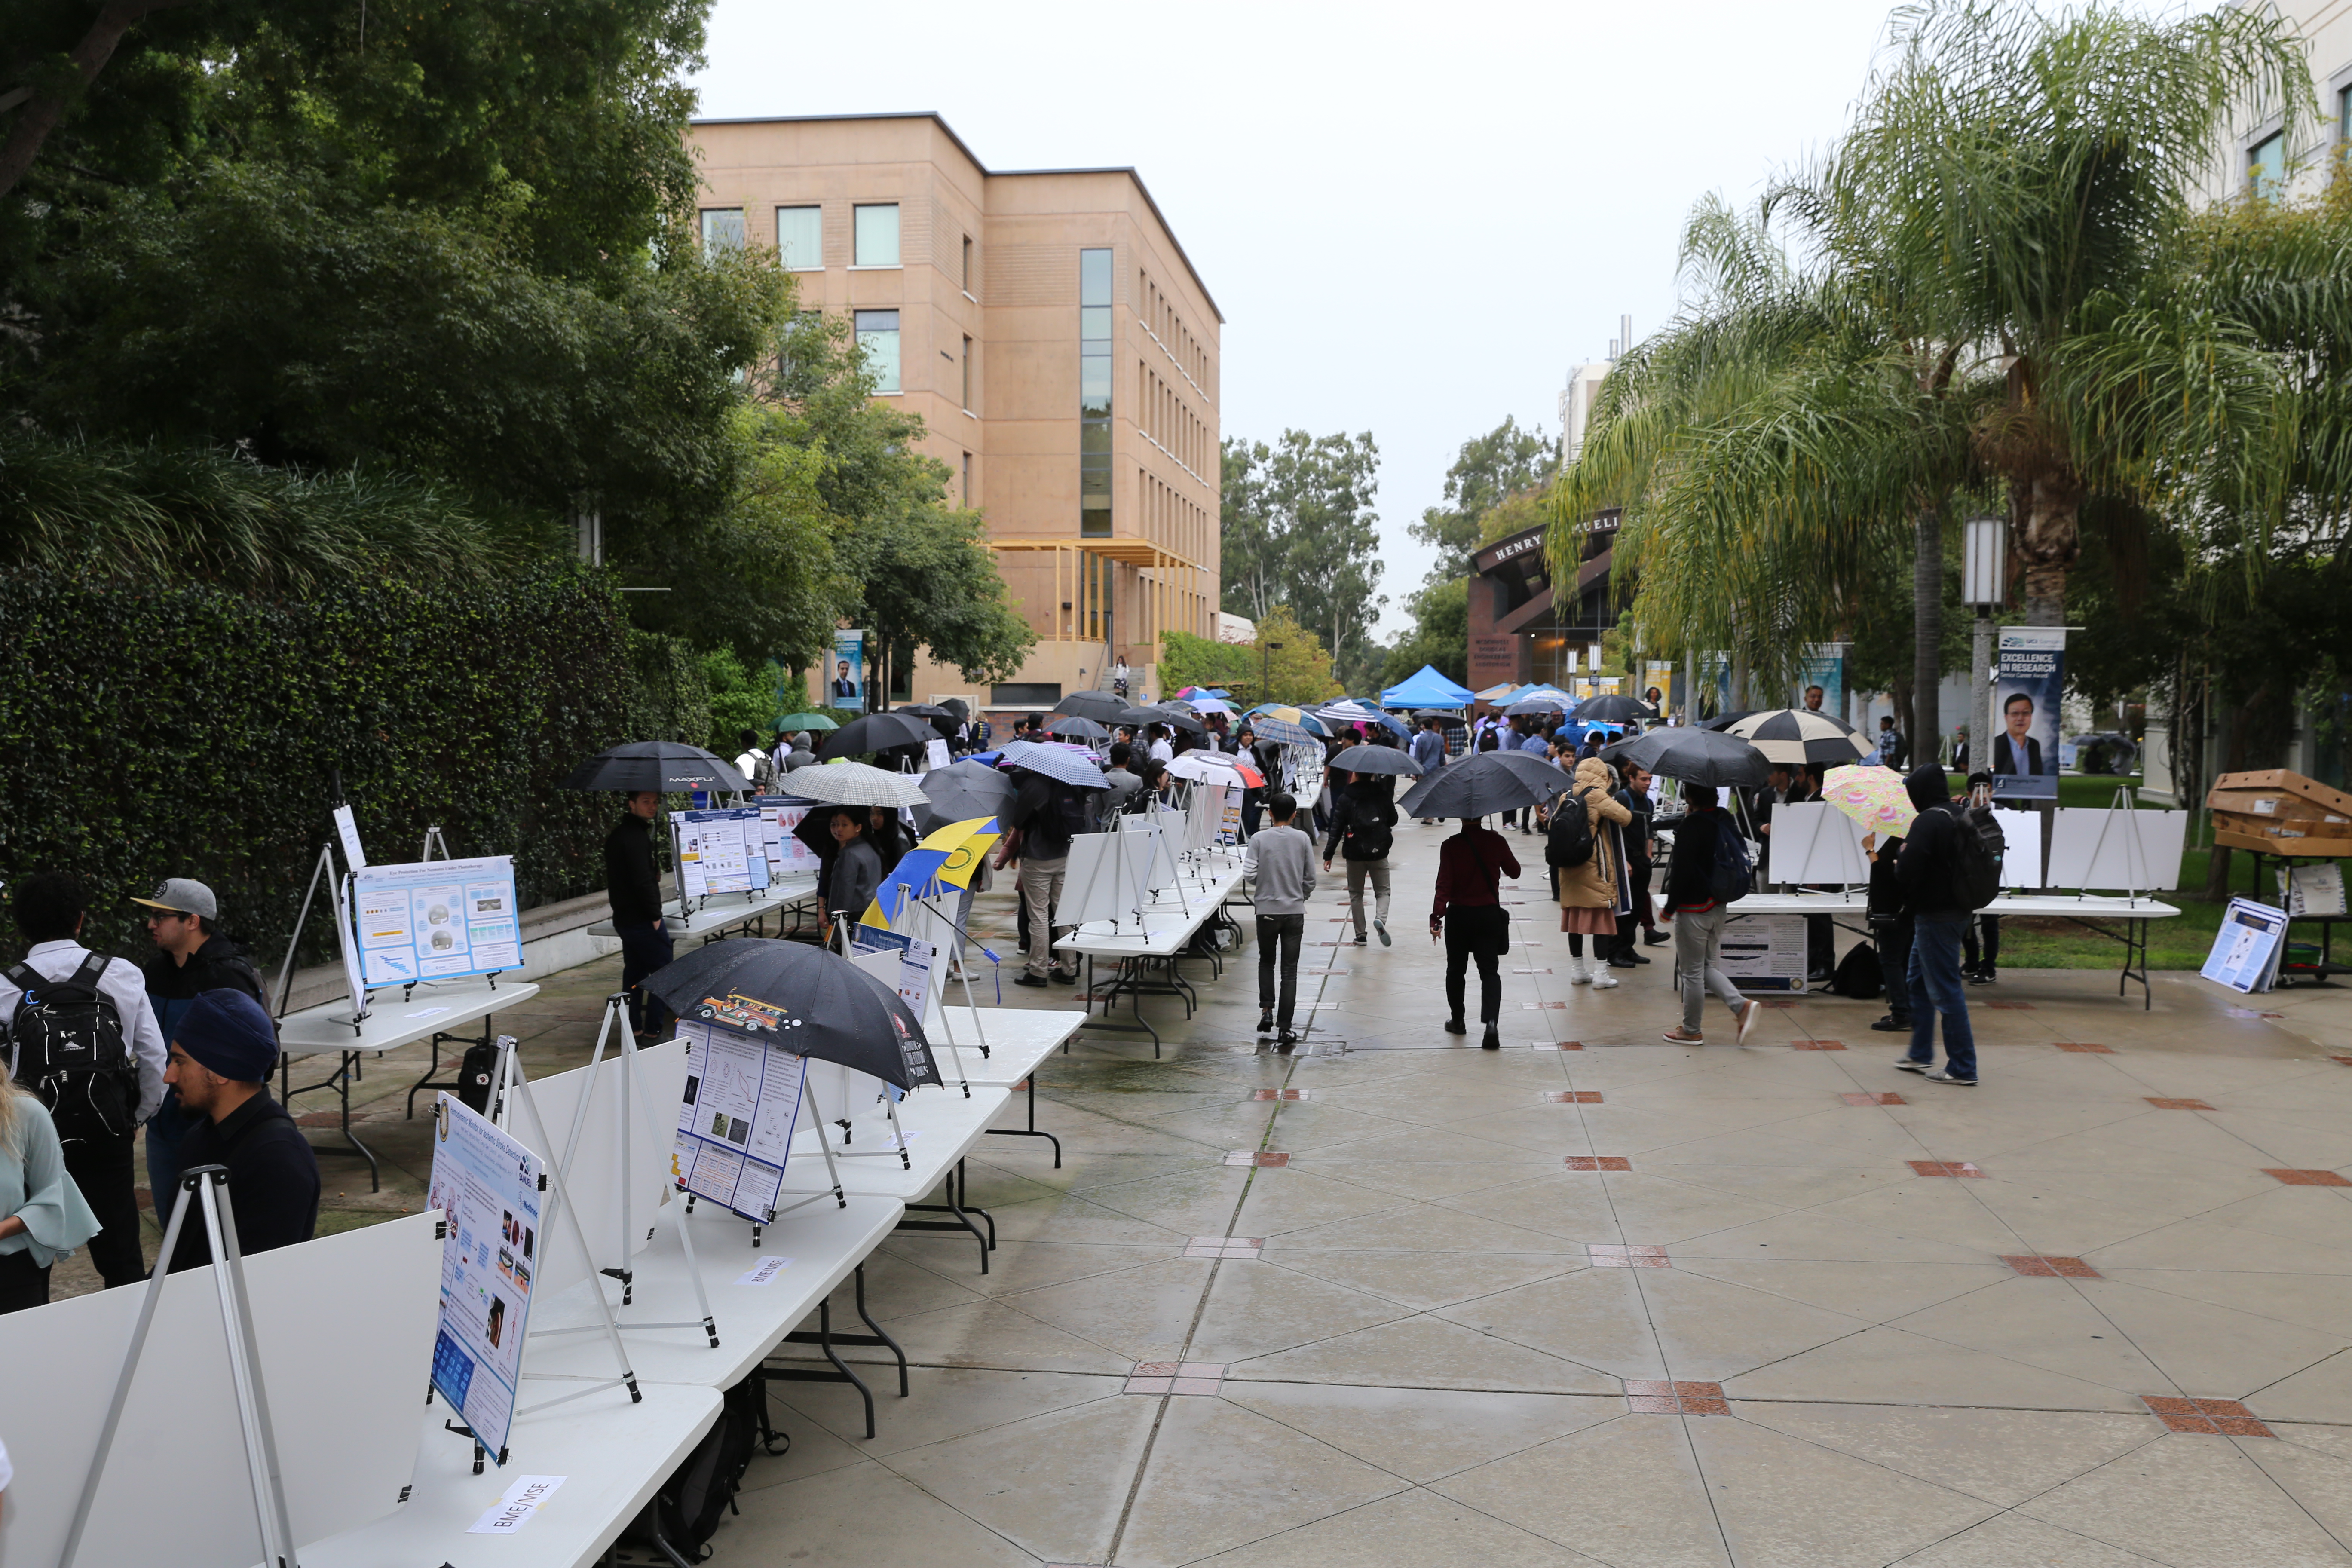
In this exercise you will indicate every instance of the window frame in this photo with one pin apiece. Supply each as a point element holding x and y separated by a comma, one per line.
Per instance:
<point>783,207</point>
<point>896,385</point>
<point>857,262</point>
<point>702,227</point>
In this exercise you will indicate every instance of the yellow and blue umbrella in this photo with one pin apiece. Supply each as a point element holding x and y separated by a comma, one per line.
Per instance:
<point>949,856</point>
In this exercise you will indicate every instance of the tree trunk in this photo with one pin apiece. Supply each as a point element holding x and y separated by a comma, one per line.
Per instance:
<point>48,107</point>
<point>1927,626</point>
<point>2049,541</point>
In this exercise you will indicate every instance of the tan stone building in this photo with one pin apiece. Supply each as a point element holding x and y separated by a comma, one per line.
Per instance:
<point>1056,341</point>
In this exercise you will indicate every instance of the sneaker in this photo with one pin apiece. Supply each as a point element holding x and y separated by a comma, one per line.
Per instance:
<point>1891,1025</point>
<point>1456,1026</point>
<point>1682,1036</point>
<point>1943,1075</point>
<point>1037,980</point>
<point>1910,1064</point>
<point>1285,1039</point>
<point>1975,976</point>
<point>1363,941</point>
<point>1382,927</point>
<point>1062,979</point>
<point>1750,1017</point>
<point>1625,961</point>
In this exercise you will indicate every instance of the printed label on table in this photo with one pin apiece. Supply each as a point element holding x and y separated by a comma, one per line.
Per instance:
<point>514,1509</point>
<point>766,1273</point>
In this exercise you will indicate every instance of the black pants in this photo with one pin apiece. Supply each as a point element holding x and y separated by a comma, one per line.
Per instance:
<point>1279,939</point>
<point>1478,932</point>
<point>23,1282</point>
<point>102,1168</point>
<point>1989,943</point>
<point>643,949</point>
<point>1821,944</point>
<point>1893,934</point>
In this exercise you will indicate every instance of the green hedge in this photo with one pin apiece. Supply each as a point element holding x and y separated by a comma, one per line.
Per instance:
<point>149,731</point>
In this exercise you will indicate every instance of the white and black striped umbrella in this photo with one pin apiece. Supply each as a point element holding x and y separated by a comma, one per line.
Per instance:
<point>1797,735</point>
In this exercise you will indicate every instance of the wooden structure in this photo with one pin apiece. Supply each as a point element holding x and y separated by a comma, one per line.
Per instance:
<point>2274,812</point>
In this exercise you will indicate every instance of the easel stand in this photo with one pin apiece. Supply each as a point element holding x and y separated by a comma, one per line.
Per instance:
<point>209,1184</point>
<point>324,871</point>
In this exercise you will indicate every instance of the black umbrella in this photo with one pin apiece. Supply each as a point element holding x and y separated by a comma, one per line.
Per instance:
<point>1102,706</point>
<point>1726,721</point>
<point>1182,716</point>
<point>1071,727</point>
<point>959,707</point>
<point>1483,783</point>
<point>815,828</point>
<point>1369,759</point>
<point>1544,704</point>
<point>807,1000</point>
<point>664,766</point>
<point>874,733</point>
<point>923,710</point>
<point>962,790</point>
<point>1694,757</point>
<point>1610,709</point>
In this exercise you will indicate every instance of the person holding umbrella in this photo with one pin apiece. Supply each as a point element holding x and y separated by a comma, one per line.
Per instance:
<point>857,866</point>
<point>1468,912</point>
<point>1363,825</point>
<point>632,886</point>
<point>1701,880</point>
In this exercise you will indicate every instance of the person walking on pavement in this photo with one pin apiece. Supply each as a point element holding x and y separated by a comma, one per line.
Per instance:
<point>632,887</point>
<point>1696,899</point>
<point>1280,862</point>
<point>1429,750</point>
<point>1929,875</point>
<point>1046,815</point>
<point>1468,910</point>
<point>1364,824</point>
<point>1592,891</point>
<point>83,1038</point>
<point>191,957</point>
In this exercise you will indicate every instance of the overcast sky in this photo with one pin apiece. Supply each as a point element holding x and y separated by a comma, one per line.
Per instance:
<point>1415,218</point>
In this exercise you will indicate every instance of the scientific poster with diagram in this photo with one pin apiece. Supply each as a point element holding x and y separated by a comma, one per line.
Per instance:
<point>787,855</point>
<point>1766,953</point>
<point>487,1186</point>
<point>735,1122</point>
<point>437,920</point>
<point>719,850</point>
<point>914,959</point>
<point>2246,949</point>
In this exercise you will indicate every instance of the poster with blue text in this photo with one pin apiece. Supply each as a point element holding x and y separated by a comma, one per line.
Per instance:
<point>487,1188</point>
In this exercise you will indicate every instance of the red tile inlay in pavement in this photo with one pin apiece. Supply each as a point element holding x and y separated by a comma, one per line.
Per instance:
<point>2179,1104</point>
<point>2215,1417</point>
<point>1175,1377</point>
<point>1531,971</point>
<point>1558,1045</point>
<point>2308,1178</point>
<point>1943,1168</point>
<point>1599,1162</point>
<point>1224,1247</point>
<point>1538,1007</point>
<point>1874,1099</point>
<point>2086,1048</point>
<point>1762,1003</point>
<point>1572,1096</point>
<point>2045,1267</point>
<point>1817,1045</point>
<point>1628,1256</point>
<point>1282,1094</point>
<point>1255,1157</point>
<point>2345,1060</point>
<point>1654,1396</point>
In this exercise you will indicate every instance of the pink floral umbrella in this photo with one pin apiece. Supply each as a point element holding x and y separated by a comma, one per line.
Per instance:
<point>1873,797</point>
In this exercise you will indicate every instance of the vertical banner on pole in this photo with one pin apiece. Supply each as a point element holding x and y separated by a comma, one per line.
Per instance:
<point>488,1185</point>
<point>1824,666</point>
<point>845,683</point>
<point>2029,678</point>
<point>1659,687</point>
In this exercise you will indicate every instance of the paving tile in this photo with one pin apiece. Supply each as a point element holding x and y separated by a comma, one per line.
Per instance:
<point>2000,1456</point>
<point>1422,1435</point>
<point>2046,1267</point>
<point>862,1516</point>
<point>1572,1096</point>
<point>1223,1476</point>
<point>1239,1247</point>
<point>2308,1178</point>
<point>1817,1045</point>
<point>1282,1094</point>
<point>1038,1481</point>
<point>1874,1099</point>
<point>1627,1493</point>
<point>2086,1049</point>
<point>1787,1503</point>
<point>1259,1157</point>
<point>2178,1497</point>
<point>1943,1168</point>
<point>1418,1526</point>
<point>1599,1162</point>
<point>2179,1104</point>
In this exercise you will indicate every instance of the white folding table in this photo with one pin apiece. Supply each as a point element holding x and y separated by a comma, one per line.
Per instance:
<point>437,1009</point>
<point>1018,1039</point>
<point>715,915</point>
<point>1169,924</point>
<point>941,1127</point>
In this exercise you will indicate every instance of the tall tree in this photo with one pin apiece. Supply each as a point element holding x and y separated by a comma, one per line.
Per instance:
<point>1490,469</point>
<point>1299,529</point>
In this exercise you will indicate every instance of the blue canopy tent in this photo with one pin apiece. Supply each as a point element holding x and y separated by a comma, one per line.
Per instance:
<point>1425,687</point>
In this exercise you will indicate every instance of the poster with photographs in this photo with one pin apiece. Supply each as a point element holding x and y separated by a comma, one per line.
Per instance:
<point>487,1186</point>
<point>735,1121</point>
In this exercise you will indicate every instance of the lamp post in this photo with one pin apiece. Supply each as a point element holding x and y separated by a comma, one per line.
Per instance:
<point>1984,585</point>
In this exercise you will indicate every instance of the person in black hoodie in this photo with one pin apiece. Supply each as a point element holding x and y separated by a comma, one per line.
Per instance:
<point>1890,929</point>
<point>632,886</point>
<point>1929,874</point>
<point>222,1054</point>
<point>1363,830</point>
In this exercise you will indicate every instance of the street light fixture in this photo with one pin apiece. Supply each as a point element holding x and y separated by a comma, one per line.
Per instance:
<point>1984,585</point>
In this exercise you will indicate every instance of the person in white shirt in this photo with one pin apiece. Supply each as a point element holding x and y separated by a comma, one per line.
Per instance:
<point>1162,751</point>
<point>97,1132</point>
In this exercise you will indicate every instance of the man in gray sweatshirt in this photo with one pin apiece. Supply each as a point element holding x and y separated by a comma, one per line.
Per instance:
<point>1281,859</point>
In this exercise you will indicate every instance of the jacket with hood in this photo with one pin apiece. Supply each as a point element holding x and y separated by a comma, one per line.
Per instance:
<point>1362,814</point>
<point>1927,872</point>
<point>1593,885</point>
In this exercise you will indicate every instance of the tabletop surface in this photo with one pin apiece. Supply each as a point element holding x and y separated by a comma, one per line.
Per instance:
<point>392,1023</point>
<point>1018,1039</point>
<point>941,1125</point>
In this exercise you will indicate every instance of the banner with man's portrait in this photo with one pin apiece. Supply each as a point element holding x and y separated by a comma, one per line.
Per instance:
<point>2029,678</point>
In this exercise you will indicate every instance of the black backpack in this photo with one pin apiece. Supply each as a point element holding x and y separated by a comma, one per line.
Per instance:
<point>66,1046</point>
<point>475,1070</point>
<point>1859,973</point>
<point>1072,813</point>
<point>1730,876</point>
<point>1976,849</point>
<point>685,1511</point>
<point>1570,840</point>
<point>1368,830</point>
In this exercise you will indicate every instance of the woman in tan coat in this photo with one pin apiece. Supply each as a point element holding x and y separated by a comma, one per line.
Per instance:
<point>1592,895</point>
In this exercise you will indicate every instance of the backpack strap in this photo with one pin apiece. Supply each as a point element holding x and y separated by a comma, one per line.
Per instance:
<point>90,971</point>
<point>23,977</point>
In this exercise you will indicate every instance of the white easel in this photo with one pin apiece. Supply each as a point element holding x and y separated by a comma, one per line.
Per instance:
<point>210,1184</point>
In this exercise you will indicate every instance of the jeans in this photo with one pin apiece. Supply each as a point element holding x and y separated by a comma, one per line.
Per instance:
<point>164,1130</point>
<point>1279,936</point>
<point>1475,931</point>
<point>1892,935</point>
<point>644,947</point>
<point>1698,949</point>
<point>1041,890</point>
<point>1376,873</point>
<point>1935,975</point>
<point>102,1168</point>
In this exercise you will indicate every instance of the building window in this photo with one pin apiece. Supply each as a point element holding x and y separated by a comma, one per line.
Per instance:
<point>966,405</point>
<point>878,236</point>
<point>1025,694</point>
<point>878,338</point>
<point>2266,165</point>
<point>722,229</point>
<point>800,238</point>
<point>1094,394</point>
<point>2343,118</point>
<point>967,264</point>
<point>967,478</point>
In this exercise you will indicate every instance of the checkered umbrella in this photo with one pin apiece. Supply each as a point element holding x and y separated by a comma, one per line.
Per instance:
<point>1796,735</point>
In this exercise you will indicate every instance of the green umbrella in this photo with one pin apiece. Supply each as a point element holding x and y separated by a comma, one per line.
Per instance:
<point>791,721</point>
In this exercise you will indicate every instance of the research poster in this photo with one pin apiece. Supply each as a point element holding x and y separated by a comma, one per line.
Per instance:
<point>1766,952</point>
<point>2029,677</point>
<point>914,959</point>
<point>788,856</point>
<point>2246,949</point>
<point>719,850</point>
<point>735,1123</point>
<point>437,920</point>
<point>846,687</point>
<point>487,1186</point>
